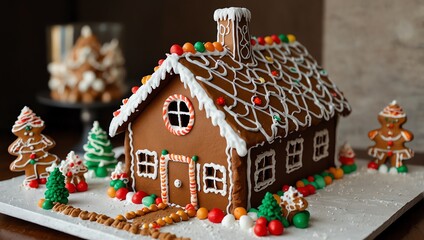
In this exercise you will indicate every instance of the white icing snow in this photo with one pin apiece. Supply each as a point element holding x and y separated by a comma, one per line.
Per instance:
<point>232,13</point>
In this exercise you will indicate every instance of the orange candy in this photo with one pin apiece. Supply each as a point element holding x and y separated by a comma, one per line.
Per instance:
<point>40,203</point>
<point>277,198</point>
<point>239,211</point>
<point>188,47</point>
<point>202,213</point>
<point>332,170</point>
<point>218,46</point>
<point>338,173</point>
<point>210,47</point>
<point>268,40</point>
<point>328,180</point>
<point>145,79</point>
<point>111,192</point>
<point>300,184</point>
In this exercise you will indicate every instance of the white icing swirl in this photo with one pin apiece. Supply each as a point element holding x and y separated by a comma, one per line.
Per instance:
<point>27,118</point>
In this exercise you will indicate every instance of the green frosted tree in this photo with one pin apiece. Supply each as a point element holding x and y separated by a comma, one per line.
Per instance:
<point>56,191</point>
<point>99,155</point>
<point>270,208</point>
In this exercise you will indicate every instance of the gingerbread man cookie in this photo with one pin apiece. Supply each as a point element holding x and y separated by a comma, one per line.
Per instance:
<point>390,141</point>
<point>31,148</point>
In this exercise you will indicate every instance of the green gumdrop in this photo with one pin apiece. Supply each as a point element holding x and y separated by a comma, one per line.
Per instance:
<point>301,220</point>
<point>314,184</point>
<point>320,183</point>
<point>349,168</point>
<point>101,172</point>
<point>307,213</point>
<point>47,205</point>
<point>118,184</point>
<point>283,38</point>
<point>199,47</point>
<point>402,169</point>
<point>153,196</point>
<point>305,181</point>
<point>147,201</point>
<point>285,222</point>
<point>112,183</point>
<point>324,174</point>
<point>280,193</point>
<point>317,176</point>
<point>253,210</point>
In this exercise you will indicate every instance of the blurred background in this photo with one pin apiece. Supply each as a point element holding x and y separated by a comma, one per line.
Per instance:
<point>372,50</point>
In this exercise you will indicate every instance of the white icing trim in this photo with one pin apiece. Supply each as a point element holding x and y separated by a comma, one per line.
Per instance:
<point>147,163</point>
<point>187,77</point>
<point>318,136</point>
<point>261,185</point>
<point>132,175</point>
<point>232,13</point>
<point>199,188</point>
<point>229,153</point>
<point>295,165</point>
<point>223,180</point>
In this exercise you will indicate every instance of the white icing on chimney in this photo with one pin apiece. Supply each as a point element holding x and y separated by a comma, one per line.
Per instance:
<point>86,31</point>
<point>233,32</point>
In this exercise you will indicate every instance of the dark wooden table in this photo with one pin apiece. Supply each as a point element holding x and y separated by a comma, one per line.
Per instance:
<point>409,226</point>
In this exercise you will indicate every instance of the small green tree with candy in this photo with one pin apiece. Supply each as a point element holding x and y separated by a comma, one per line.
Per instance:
<point>56,191</point>
<point>270,208</point>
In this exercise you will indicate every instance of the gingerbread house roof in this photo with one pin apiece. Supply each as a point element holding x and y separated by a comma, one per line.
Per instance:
<point>271,90</point>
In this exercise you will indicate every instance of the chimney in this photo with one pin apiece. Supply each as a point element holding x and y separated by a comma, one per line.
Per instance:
<point>233,32</point>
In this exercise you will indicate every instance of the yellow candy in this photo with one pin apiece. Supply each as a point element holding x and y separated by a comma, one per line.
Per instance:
<point>218,46</point>
<point>277,198</point>
<point>261,79</point>
<point>145,79</point>
<point>111,192</point>
<point>188,47</point>
<point>269,59</point>
<point>156,68</point>
<point>239,211</point>
<point>291,38</point>
<point>209,46</point>
<point>300,184</point>
<point>268,40</point>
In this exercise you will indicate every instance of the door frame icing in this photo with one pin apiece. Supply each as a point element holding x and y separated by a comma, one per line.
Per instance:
<point>163,166</point>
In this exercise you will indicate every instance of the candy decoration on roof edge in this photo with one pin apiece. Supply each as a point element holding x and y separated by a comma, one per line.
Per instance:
<point>73,168</point>
<point>390,140</point>
<point>99,155</point>
<point>56,191</point>
<point>31,148</point>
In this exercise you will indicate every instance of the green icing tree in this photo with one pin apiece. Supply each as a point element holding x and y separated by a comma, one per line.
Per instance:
<point>56,191</point>
<point>270,208</point>
<point>99,155</point>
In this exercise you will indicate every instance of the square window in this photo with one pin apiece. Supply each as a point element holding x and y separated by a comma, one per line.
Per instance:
<point>264,174</point>
<point>147,162</point>
<point>321,143</point>
<point>214,179</point>
<point>294,151</point>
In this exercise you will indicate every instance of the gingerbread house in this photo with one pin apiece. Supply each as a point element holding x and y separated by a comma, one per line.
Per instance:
<point>220,124</point>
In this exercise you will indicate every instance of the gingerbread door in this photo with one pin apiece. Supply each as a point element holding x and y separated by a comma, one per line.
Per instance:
<point>178,179</point>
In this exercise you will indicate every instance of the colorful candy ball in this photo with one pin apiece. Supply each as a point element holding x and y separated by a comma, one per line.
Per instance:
<point>239,211</point>
<point>216,215</point>
<point>177,49</point>
<point>218,46</point>
<point>202,213</point>
<point>137,198</point>
<point>260,230</point>
<point>209,46</point>
<point>71,187</point>
<point>301,219</point>
<point>199,47</point>
<point>111,192</point>
<point>82,186</point>
<point>188,47</point>
<point>121,193</point>
<point>275,227</point>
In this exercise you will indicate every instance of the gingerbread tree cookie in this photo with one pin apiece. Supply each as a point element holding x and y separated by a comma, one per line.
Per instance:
<point>73,169</point>
<point>390,141</point>
<point>99,155</point>
<point>31,148</point>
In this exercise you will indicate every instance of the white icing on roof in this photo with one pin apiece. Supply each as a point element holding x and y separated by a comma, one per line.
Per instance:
<point>231,13</point>
<point>189,80</point>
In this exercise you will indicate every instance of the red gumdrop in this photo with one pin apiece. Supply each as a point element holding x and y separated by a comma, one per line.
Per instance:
<point>304,191</point>
<point>160,61</point>
<point>276,39</point>
<point>69,174</point>
<point>71,187</point>
<point>158,200</point>
<point>216,215</point>
<point>189,206</point>
<point>373,165</point>
<point>286,188</point>
<point>142,194</point>
<point>261,40</point>
<point>311,189</point>
<point>252,42</point>
<point>121,194</point>
<point>177,49</point>
<point>42,180</point>
<point>134,89</point>
<point>82,186</point>
<point>311,179</point>
<point>137,198</point>
<point>260,230</point>
<point>261,221</point>
<point>275,227</point>
<point>220,101</point>
<point>33,183</point>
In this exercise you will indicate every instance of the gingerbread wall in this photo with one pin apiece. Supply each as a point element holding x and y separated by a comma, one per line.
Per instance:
<point>204,141</point>
<point>309,166</point>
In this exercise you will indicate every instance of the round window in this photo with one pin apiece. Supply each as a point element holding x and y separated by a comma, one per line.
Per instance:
<point>178,114</point>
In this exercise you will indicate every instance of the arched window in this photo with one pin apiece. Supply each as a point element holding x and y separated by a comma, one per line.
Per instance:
<point>178,114</point>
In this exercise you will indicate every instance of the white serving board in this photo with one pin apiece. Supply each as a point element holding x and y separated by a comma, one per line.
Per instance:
<point>358,206</point>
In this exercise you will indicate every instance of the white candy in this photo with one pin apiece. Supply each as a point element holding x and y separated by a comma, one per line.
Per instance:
<point>393,170</point>
<point>253,215</point>
<point>246,222</point>
<point>129,196</point>
<point>229,220</point>
<point>383,168</point>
